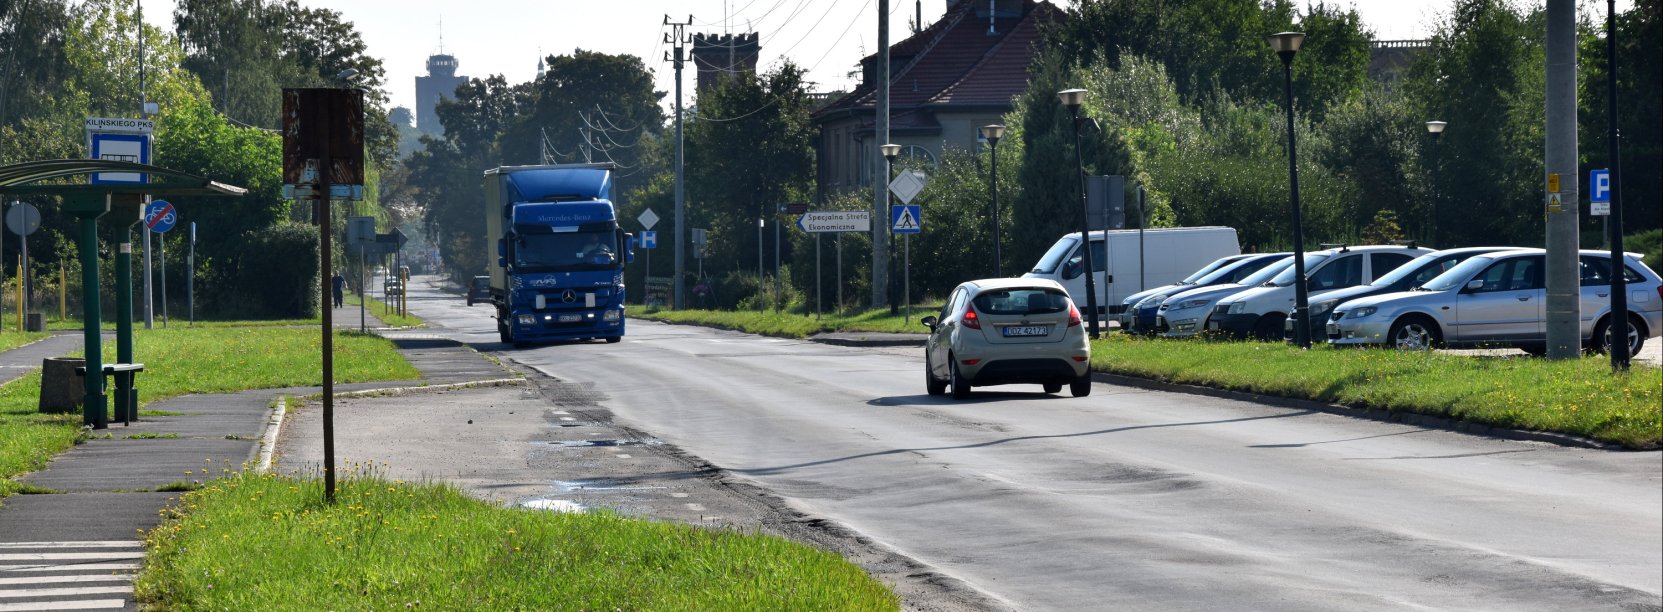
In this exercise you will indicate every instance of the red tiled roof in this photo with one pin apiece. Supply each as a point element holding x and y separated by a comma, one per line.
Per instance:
<point>955,61</point>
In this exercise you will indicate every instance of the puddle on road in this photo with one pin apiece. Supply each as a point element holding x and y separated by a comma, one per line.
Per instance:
<point>569,486</point>
<point>593,443</point>
<point>554,505</point>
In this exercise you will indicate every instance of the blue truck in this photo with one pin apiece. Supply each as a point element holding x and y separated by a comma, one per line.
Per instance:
<point>557,272</point>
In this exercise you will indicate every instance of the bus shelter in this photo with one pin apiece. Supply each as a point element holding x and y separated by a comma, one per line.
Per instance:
<point>88,202</point>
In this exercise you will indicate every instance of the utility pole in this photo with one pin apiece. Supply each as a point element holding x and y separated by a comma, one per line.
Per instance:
<point>144,105</point>
<point>880,186</point>
<point>679,39</point>
<point>1614,222</point>
<point>1563,308</point>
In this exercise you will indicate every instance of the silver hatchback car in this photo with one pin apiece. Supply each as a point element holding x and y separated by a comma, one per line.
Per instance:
<point>1005,331</point>
<point>1498,299</point>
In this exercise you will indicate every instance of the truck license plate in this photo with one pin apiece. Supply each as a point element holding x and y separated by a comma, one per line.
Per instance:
<point>1027,330</point>
<point>570,318</point>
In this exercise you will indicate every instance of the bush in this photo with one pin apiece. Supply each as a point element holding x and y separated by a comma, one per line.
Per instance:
<point>276,275</point>
<point>1649,242</point>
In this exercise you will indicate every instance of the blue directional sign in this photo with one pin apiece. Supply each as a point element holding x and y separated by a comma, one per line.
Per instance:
<point>649,239</point>
<point>907,219</point>
<point>161,216</point>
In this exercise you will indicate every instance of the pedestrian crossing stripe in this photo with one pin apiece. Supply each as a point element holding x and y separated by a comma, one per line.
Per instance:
<point>74,575</point>
<point>906,219</point>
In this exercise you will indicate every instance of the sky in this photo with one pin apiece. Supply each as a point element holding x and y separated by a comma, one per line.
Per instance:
<point>828,37</point>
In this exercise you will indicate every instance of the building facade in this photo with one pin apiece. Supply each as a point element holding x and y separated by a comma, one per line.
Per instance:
<point>719,56</point>
<point>960,73</point>
<point>439,84</point>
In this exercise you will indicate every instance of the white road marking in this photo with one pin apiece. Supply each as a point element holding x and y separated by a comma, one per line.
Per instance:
<point>568,419</point>
<point>696,507</point>
<point>81,578</point>
<point>678,495</point>
<point>622,456</point>
<point>92,544</point>
<point>87,604</point>
<point>68,592</point>
<point>68,568</point>
<point>70,556</point>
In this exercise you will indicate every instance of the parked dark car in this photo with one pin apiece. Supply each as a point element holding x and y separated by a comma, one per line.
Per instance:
<point>479,290</point>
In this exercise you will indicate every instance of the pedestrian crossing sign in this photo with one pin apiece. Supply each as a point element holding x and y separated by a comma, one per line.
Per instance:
<point>907,219</point>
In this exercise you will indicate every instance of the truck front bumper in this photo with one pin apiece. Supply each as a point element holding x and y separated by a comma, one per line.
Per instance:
<point>567,324</point>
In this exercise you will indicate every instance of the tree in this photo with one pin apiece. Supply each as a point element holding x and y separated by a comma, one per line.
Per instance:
<point>32,63</point>
<point>1484,73</point>
<point>1639,109</point>
<point>748,151</point>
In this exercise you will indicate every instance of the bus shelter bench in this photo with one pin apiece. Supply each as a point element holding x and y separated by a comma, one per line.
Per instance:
<point>126,393</point>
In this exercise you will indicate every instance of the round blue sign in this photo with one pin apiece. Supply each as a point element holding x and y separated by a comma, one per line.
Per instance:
<point>161,216</point>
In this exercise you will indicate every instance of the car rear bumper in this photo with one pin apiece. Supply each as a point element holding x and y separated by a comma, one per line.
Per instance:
<point>1033,370</point>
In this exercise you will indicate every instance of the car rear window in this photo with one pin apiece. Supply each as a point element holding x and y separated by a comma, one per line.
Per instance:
<point>1021,301</point>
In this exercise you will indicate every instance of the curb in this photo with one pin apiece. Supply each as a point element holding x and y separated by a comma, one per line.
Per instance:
<point>268,440</point>
<point>852,340</point>
<point>1373,414</point>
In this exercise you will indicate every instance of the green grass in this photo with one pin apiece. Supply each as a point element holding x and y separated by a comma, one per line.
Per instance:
<point>380,310</point>
<point>267,542</point>
<point>151,435</point>
<point>796,325</point>
<point>184,360</point>
<point>11,340</point>
<point>1579,397</point>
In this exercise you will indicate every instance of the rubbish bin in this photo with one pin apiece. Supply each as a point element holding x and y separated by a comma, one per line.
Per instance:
<point>35,321</point>
<point>61,389</point>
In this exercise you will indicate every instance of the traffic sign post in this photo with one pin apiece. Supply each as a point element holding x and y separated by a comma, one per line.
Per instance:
<point>907,220</point>
<point>160,217</point>
<point>835,221</point>
<point>23,219</point>
<point>1599,193</point>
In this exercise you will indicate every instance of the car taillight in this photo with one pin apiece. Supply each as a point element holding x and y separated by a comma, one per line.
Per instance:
<point>970,319</point>
<point>1073,315</point>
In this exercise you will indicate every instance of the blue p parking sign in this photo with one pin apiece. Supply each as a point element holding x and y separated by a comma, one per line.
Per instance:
<point>1599,192</point>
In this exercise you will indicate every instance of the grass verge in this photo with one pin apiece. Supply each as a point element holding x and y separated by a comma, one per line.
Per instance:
<point>1578,397</point>
<point>381,310</point>
<point>796,325</point>
<point>192,360</point>
<point>269,542</point>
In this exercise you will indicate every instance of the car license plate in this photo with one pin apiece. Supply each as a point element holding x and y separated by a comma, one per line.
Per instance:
<point>1027,330</point>
<point>570,318</point>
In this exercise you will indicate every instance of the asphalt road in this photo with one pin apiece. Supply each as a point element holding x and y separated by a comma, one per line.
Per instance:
<point>1130,499</point>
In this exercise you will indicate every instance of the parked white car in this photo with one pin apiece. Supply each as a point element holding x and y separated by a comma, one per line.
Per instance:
<point>1259,312</point>
<point>1185,314</point>
<point>1498,299</point>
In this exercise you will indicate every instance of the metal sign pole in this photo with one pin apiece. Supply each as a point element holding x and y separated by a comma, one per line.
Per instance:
<point>906,274</point>
<point>163,240</point>
<point>363,325</point>
<point>819,289</point>
<point>149,300</point>
<point>190,279</point>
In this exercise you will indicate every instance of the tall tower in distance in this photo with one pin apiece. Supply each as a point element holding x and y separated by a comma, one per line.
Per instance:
<point>720,56</point>
<point>439,84</point>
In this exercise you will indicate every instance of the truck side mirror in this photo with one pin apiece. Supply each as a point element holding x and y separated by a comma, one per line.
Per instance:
<point>502,262</point>
<point>502,248</point>
<point>628,240</point>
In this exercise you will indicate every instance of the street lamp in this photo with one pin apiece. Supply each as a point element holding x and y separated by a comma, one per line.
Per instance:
<point>1286,45</point>
<point>1436,129</point>
<point>993,133</point>
<point>1072,98</point>
<point>890,152</point>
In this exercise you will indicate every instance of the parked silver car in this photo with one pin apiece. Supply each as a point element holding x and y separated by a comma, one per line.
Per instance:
<point>1185,314</point>
<point>1497,299</point>
<point>1004,331</point>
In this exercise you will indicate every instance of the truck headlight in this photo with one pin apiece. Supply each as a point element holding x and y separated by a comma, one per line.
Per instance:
<point>1186,304</point>
<point>527,320</point>
<point>1363,312</point>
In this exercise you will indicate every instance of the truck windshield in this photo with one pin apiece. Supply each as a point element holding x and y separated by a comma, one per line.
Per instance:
<point>566,252</point>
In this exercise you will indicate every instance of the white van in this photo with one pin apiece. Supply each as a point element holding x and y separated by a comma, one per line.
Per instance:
<point>1125,263</point>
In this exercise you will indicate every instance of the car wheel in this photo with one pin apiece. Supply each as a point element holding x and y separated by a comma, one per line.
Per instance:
<point>961,386</point>
<point>1602,337</point>
<point>1268,329</point>
<point>1080,387</point>
<point>1052,387</point>
<point>931,385</point>
<point>1415,334</point>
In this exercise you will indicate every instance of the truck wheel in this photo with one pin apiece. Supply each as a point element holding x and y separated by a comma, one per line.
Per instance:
<point>614,339</point>
<point>502,332</point>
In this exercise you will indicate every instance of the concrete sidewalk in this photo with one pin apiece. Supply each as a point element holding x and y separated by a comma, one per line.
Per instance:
<point>78,547</point>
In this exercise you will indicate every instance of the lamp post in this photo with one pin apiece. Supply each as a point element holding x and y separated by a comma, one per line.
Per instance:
<point>1286,44</point>
<point>993,133</point>
<point>1614,222</point>
<point>1072,98</point>
<point>1436,129</point>
<point>890,152</point>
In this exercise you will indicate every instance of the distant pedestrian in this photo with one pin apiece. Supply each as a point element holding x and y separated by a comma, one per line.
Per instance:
<point>339,285</point>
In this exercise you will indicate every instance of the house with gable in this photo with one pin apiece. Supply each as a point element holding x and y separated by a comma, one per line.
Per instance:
<point>948,80</point>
